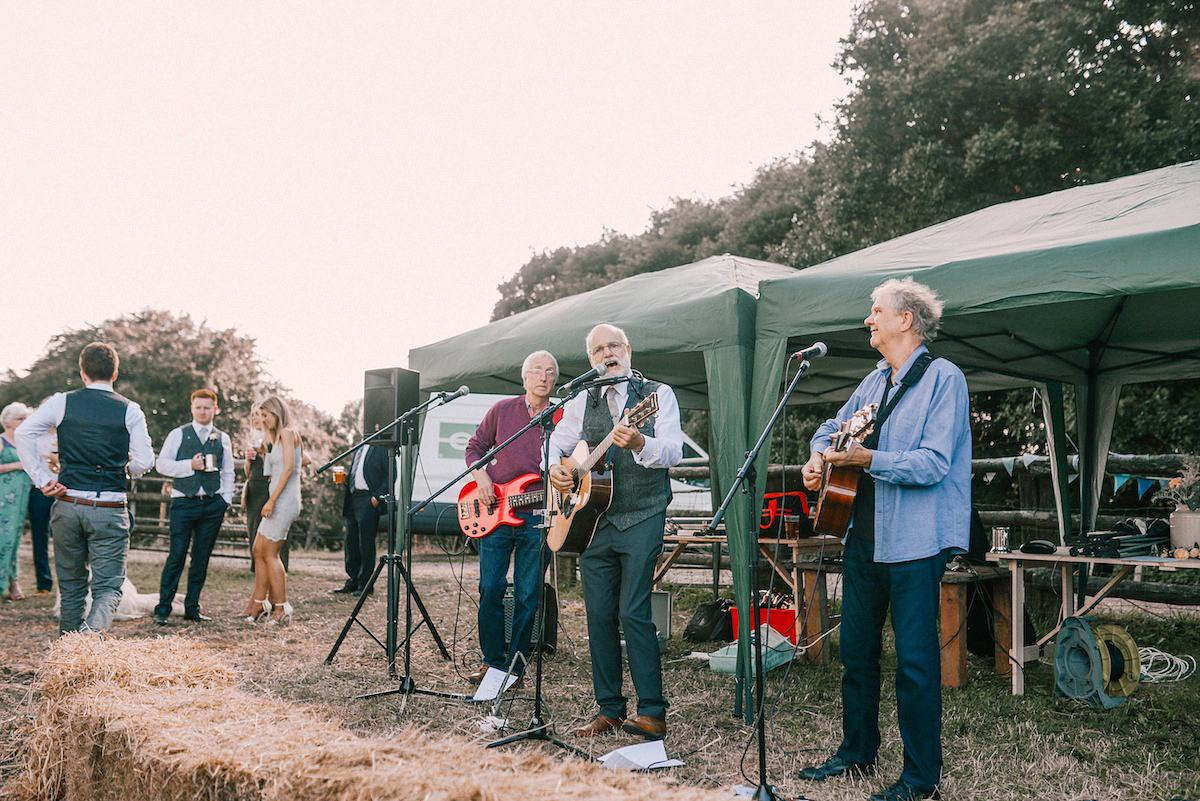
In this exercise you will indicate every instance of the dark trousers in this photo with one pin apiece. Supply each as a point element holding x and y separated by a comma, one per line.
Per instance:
<point>912,591</point>
<point>39,525</point>
<point>521,544</point>
<point>362,524</point>
<point>195,522</point>
<point>617,570</point>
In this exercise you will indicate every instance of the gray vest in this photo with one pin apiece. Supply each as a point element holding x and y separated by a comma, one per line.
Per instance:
<point>638,492</point>
<point>189,446</point>
<point>93,442</point>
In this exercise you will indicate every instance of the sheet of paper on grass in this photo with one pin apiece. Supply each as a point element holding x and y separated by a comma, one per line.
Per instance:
<point>651,754</point>
<point>493,684</point>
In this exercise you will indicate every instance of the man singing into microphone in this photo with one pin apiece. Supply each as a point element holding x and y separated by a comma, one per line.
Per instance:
<point>521,544</point>
<point>618,566</point>
<point>912,509</point>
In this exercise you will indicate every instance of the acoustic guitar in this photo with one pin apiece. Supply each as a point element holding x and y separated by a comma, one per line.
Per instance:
<point>478,519</point>
<point>576,514</point>
<point>839,485</point>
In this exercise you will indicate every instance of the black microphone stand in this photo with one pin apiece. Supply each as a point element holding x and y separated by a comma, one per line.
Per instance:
<point>540,729</point>
<point>395,562</point>
<point>746,478</point>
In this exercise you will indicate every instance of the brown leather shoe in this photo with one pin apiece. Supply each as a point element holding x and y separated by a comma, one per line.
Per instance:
<point>477,675</point>
<point>646,726</point>
<point>602,724</point>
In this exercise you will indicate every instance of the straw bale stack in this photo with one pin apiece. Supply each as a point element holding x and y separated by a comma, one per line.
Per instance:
<point>163,719</point>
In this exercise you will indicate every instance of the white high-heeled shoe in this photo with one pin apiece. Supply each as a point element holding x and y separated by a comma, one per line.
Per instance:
<point>284,618</point>
<point>257,616</point>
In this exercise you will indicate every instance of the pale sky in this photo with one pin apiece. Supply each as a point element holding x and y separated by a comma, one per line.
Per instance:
<point>343,181</point>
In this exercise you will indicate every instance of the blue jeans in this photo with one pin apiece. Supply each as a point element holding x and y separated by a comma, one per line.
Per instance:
<point>522,546</point>
<point>912,591</point>
<point>195,522</point>
<point>39,525</point>
<point>618,575</point>
<point>83,535</point>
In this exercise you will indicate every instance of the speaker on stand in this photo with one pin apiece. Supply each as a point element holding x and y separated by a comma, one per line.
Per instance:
<point>387,394</point>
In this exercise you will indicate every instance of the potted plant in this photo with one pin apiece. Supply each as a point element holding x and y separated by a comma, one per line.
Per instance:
<point>1184,492</point>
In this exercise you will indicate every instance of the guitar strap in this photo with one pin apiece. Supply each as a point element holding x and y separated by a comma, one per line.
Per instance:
<point>910,378</point>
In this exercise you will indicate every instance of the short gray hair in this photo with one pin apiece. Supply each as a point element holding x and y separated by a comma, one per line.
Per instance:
<point>11,411</point>
<point>537,354</point>
<point>906,295</point>
<point>587,341</point>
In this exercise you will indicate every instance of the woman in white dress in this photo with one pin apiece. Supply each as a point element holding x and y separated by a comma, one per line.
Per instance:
<point>281,509</point>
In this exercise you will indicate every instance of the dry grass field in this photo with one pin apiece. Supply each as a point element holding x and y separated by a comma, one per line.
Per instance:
<point>997,746</point>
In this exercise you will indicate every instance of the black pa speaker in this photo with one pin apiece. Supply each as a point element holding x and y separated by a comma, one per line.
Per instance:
<point>387,394</point>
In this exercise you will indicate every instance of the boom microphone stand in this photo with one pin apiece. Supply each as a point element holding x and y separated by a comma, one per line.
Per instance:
<point>539,728</point>
<point>395,562</point>
<point>746,478</point>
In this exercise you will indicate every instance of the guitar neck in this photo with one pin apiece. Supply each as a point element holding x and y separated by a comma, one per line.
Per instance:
<point>597,453</point>
<point>526,498</point>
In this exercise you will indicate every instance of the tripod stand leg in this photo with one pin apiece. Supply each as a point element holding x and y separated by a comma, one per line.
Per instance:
<point>424,613</point>
<point>353,618</point>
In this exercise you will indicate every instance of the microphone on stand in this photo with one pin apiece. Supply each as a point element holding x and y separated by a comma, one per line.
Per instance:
<point>596,372</point>
<point>446,397</point>
<point>813,351</point>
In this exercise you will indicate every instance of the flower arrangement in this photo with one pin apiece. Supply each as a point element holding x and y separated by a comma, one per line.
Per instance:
<point>1184,490</point>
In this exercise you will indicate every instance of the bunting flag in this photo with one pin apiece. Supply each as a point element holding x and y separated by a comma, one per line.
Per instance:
<point>987,477</point>
<point>1119,480</point>
<point>1071,478</point>
<point>1009,462</point>
<point>1028,459</point>
<point>1145,484</point>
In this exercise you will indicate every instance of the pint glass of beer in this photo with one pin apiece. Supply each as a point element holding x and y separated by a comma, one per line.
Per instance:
<point>339,475</point>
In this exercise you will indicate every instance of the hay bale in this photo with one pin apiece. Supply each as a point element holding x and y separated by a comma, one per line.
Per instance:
<point>161,719</point>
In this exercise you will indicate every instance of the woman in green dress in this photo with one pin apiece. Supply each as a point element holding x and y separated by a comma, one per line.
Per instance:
<point>14,498</point>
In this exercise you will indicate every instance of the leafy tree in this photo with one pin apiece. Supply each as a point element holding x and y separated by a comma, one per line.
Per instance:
<point>164,358</point>
<point>961,105</point>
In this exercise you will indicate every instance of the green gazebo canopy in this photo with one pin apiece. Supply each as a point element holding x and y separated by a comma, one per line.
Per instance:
<point>1095,286</point>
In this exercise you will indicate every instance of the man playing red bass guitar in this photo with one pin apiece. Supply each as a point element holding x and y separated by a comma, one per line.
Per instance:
<point>518,544</point>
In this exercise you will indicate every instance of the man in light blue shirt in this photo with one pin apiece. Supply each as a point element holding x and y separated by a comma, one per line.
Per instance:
<point>911,511</point>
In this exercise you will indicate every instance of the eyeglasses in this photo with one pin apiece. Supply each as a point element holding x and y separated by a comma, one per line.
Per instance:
<point>615,347</point>
<point>538,372</point>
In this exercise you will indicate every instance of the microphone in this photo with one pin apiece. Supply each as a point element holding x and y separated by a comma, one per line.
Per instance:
<point>596,372</point>
<point>812,351</point>
<point>446,397</point>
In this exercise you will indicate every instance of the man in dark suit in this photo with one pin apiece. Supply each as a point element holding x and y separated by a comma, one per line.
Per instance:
<point>366,486</point>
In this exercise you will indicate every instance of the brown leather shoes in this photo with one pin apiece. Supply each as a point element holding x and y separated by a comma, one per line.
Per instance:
<point>602,724</point>
<point>645,726</point>
<point>477,675</point>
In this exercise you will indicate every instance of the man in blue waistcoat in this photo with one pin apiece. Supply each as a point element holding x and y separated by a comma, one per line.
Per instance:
<point>617,568</point>
<point>911,511</point>
<point>199,458</point>
<point>101,436</point>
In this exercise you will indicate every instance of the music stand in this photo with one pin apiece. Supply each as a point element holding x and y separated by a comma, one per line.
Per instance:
<point>396,563</point>
<point>746,478</point>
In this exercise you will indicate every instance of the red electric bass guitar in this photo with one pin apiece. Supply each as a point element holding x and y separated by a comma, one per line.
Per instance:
<point>478,519</point>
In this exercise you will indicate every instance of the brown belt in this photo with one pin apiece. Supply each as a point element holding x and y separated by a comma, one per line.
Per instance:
<point>89,502</point>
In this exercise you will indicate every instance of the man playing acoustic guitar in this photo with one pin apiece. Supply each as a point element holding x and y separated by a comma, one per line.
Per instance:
<point>911,510</point>
<point>520,543</point>
<point>618,565</point>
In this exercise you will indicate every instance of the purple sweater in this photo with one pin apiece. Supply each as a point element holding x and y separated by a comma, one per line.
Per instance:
<point>523,456</point>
